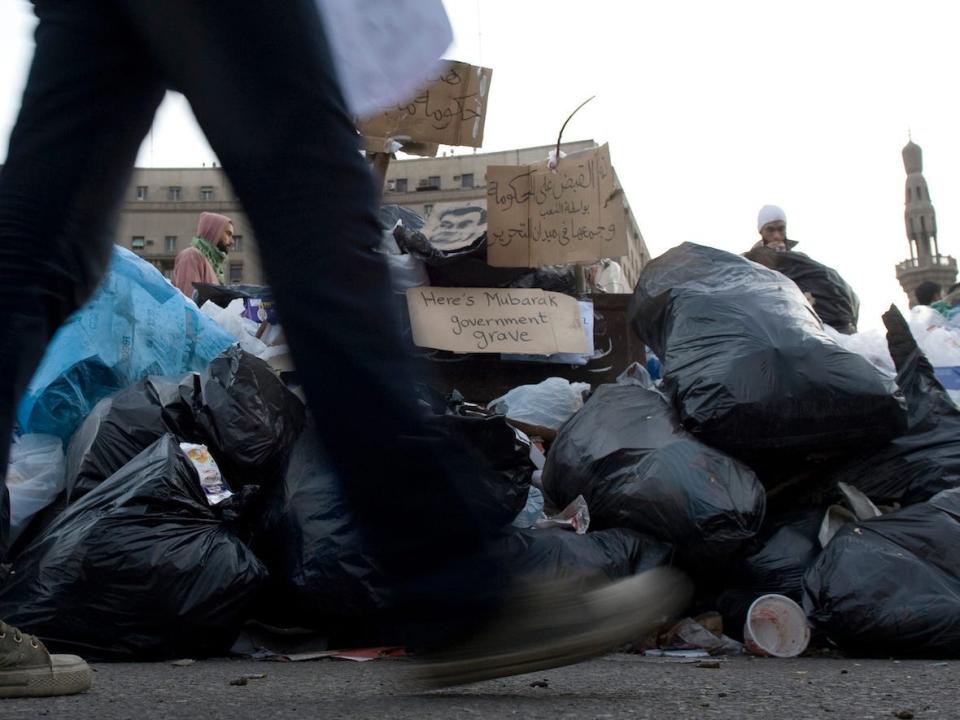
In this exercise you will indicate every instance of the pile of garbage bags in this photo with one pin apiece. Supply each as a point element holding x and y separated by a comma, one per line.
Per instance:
<point>770,459</point>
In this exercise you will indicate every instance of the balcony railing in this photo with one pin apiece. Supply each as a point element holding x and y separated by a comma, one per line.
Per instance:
<point>945,261</point>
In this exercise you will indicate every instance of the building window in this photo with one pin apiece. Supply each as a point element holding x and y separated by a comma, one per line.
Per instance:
<point>466,180</point>
<point>206,193</point>
<point>401,184</point>
<point>427,209</point>
<point>137,242</point>
<point>173,193</point>
<point>237,243</point>
<point>170,243</point>
<point>236,272</point>
<point>141,192</point>
<point>919,194</point>
<point>434,181</point>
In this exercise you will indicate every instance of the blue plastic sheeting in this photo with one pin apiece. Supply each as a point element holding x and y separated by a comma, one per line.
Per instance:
<point>137,324</point>
<point>949,377</point>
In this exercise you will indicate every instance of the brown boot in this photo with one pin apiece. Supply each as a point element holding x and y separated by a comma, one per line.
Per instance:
<point>28,670</point>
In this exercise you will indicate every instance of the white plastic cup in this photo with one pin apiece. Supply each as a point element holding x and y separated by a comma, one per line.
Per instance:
<point>776,627</point>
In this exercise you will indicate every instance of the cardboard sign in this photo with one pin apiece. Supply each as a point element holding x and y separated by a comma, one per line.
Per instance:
<point>453,226</point>
<point>496,320</point>
<point>539,217</point>
<point>449,111</point>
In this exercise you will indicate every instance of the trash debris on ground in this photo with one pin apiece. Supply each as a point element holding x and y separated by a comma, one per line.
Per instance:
<point>193,511</point>
<point>776,627</point>
<point>748,364</point>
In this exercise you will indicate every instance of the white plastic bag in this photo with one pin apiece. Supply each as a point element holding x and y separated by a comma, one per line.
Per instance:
<point>35,476</point>
<point>548,404</point>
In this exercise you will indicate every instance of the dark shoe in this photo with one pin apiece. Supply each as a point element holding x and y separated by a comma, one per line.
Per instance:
<point>552,625</point>
<point>28,670</point>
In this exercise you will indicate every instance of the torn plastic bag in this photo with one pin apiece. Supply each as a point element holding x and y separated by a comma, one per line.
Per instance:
<point>36,475</point>
<point>890,586</point>
<point>748,363</point>
<point>140,568</point>
<point>124,425</point>
<point>628,455</point>
<point>926,459</point>
<point>834,300</point>
<point>137,324</point>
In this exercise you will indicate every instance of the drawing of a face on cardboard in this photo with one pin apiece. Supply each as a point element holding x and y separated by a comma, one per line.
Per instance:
<point>453,226</point>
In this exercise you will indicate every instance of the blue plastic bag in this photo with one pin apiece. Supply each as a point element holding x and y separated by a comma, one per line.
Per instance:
<point>137,324</point>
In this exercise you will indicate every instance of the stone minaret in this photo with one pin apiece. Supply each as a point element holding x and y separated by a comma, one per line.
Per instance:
<point>926,262</point>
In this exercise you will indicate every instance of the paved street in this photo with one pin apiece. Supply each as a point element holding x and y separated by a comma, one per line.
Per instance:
<point>618,686</point>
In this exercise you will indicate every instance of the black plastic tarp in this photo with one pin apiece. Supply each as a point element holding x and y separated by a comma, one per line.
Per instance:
<point>834,300</point>
<point>626,452</point>
<point>890,586</point>
<point>748,364</point>
<point>139,568</point>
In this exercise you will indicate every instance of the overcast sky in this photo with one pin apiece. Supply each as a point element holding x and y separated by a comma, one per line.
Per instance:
<point>711,110</point>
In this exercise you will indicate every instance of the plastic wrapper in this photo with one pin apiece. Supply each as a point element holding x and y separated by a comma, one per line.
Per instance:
<point>748,365</point>
<point>890,586</point>
<point>140,568</point>
<point>834,300</point>
<point>628,455</point>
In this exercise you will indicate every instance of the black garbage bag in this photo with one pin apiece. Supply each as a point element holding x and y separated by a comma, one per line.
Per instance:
<point>788,547</point>
<point>834,300</point>
<point>926,459</point>
<point>504,450</point>
<point>315,545</point>
<point>890,586</point>
<point>238,407</point>
<point>627,454</point>
<point>748,364</point>
<point>247,417</point>
<point>121,426</point>
<point>223,295</point>
<point>467,267</point>
<point>140,568</point>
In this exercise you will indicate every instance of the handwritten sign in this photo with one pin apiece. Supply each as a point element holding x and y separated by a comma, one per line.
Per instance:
<point>496,320</point>
<point>539,217</point>
<point>450,111</point>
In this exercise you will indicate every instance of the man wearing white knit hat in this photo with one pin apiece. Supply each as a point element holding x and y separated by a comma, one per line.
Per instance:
<point>772,225</point>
